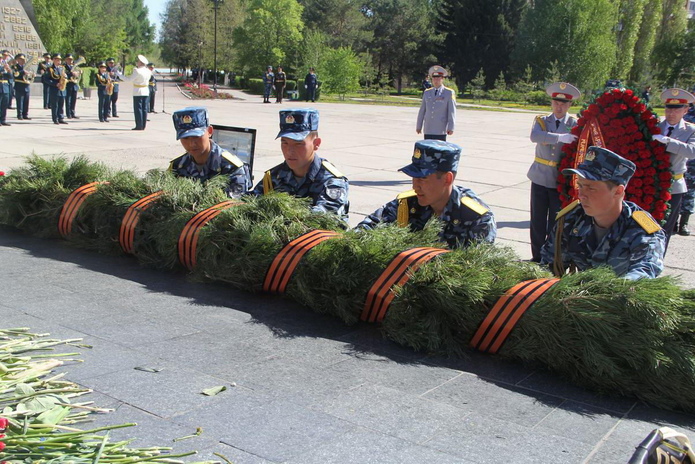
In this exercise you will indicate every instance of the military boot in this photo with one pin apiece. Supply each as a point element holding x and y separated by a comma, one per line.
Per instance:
<point>683,226</point>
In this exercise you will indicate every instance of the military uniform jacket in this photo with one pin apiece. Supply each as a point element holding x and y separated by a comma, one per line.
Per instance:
<point>546,135</point>
<point>466,217</point>
<point>113,74</point>
<point>153,84</point>
<point>280,78</point>
<point>102,80</point>
<point>54,73</point>
<point>4,80</point>
<point>437,113</point>
<point>69,75</point>
<point>20,76</point>
<point>628,248</point>
<point>42,71</point>
<point>268,79</point>
<point>680,148</point>
<point>220,162</point>
<point>310,80</point>
<point>324,184</point>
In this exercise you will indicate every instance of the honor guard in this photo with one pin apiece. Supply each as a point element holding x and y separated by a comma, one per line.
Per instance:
<point>549,133</point>
<point>104,86</point>
<point>438,109</point>
<point>280,80</point>
<point>42,71</point>
<point>466,217</point>
<point>5,89</point>
<point>72,86</point>
<point>204,159</point>
<point>601,228</point>
<point>679,138</point>
<point>22,85</point>
<point>152,87</point>
<point>140,78</point>
<point>268,81</point>
<point>56,91</point>
<point>304,174</point>
<point>114,75</point>
<point>310,84</point>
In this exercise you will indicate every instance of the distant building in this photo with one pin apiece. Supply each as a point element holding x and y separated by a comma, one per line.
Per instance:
<point>690,7</point>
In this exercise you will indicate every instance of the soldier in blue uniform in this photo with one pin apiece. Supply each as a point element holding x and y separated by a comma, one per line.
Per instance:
<point>113,71</point>
<point>268,82</point>
<point>466,217</point>
<point>56,95</point>
<point>72,87</point>
<point>204,159</point>
<point>153,88</point>
<point>22,84</point>
<point>42,72</point>
<point>103,82</point>
<point>549,133</point>
<point>5,75</point>
<point>304,174</point>
<point>437,115</point>
<point>601,228</point>
<point>310,83</point>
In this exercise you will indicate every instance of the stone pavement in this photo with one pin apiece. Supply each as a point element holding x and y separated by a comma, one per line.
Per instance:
<point>302,388</point>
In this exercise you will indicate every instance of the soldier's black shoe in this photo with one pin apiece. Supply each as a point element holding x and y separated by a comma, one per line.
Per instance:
<point>5,124</point>
<point>62,121</point>
<point>683,230</point>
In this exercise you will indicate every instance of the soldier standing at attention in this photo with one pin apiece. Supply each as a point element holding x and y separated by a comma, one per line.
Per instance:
<point>5,74</point>
<point>679,138</point>
<point>113,98</point>
<point>22,85</point>
<point>438,109</point>
<point>549,133</point>
<point>601,228</point>
<point>280,80</point>
<point>268,81</point>
<point>204,159</point>
<point>103,83</point>
<point>56,94</point>
<point>42,71</point>
<point>310,83</point>
<point>153,87</point>
<point>467,219</point>
<point>71,87</point>
<point>304,174</point>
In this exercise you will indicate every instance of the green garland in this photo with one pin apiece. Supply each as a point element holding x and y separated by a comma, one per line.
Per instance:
<point>600,331</point>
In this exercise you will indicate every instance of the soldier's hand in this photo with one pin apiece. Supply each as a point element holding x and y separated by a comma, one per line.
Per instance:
<point>449,132</point>
<point>418,131</point>
<point>567,138</point>
<point>662,139</point>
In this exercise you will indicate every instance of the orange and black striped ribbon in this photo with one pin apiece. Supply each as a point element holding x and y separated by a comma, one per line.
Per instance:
<point>506,313</point>
<point>126,234</point>
<point>286,261</point>
<point>72,205</point>
<point>188,240</point>
<point>398,272</point>
<point>590,134</point>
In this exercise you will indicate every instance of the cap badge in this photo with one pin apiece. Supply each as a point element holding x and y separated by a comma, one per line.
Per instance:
<point>563,86</point>
<point>675,92</point>
<point>590,156</point>
<point>289,119</point>
<point>187,119</point>
<point>417,153</point>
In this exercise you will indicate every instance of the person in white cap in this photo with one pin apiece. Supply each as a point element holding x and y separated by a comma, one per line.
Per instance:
<point>437,113</point>
<point>679,138</point>
<point>549,133</point>
<point>141,91</point>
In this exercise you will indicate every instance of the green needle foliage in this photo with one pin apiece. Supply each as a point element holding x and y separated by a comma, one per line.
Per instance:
<point>596,329</point>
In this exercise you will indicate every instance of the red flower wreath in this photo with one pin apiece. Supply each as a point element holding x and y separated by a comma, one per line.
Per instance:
<point>627,126</point>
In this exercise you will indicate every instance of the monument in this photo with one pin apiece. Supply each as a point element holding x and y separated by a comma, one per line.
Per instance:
<point>18,29</point>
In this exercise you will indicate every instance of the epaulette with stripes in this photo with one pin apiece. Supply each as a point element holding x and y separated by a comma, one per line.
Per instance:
<point>473,205</point>
<point>332,169</point>
<point>646,222</point>
<point>567,209</point>
<point>232,158</point>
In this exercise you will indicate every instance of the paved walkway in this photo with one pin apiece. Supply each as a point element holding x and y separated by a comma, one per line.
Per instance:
<point>302,388</point>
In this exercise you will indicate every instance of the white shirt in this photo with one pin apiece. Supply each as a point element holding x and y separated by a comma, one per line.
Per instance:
<point>140,79</point>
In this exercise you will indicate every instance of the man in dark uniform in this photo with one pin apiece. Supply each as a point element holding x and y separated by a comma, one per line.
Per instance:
<point>204,159</point>
<point>280,81</point>
<point>268,81</point>
<point>43,73</point>
<point>103,83</point>
<point>56,95</point>
<point>153,88</point>
<point>304,174</point>
<point>22,83</point>
<point>310,83</point>
<point>601,228</point>
<point>114,75</point>
<point>72,86</point>
<point>467,219</point>
<point>5,74</point>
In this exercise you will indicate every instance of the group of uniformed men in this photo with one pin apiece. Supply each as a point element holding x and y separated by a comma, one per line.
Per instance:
<point>60,81</point>
<point>600,228</point>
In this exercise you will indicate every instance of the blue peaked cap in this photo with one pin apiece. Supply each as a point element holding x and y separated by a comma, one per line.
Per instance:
<point>296,123</point>
<point>430,156</point>
<point>192,121</point>
<point>602,164</point>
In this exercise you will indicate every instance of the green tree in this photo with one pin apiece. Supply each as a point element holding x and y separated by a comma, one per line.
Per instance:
<point>479,34</point>
<point>669,41</point>
<point>478,85</point>
<point>340,72</point>
<point>60,22</point>
<point>312,50</point>
<point>631,13</point>
<point>270,34</point>
<point>641,69</point>
<point>343,22</point>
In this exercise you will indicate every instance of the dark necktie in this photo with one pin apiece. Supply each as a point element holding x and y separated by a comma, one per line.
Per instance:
<point>670,131</point>
<point>557,123</point>
<point>436,92</point>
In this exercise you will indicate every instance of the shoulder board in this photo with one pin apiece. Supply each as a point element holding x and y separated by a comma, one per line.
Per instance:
<point>646,222</point>
<point>474,205</point>
<point>689,126</point>
<point>427,90</point>
<point>407,194</point>
<point>567,209</point>
<point>541,122</point>
<point>332,169</point>
<point>232,158</point>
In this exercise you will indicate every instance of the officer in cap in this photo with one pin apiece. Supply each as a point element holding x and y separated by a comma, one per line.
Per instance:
<point>549,133</point>
<point>56,95</point>
<point>5,87</point>
<point>71,88</point>
<point>679,138</point>
<point>466,217</point>
<point>103,80</point>
<point>204,159</point>
<point>22,85</point>
<point>152,87</point>
<point>438,108</point>
<point>42,71</point>
<point>113,71</point>
<point>304,174</point>
<point>601,228</point>
<point>268,82</point>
